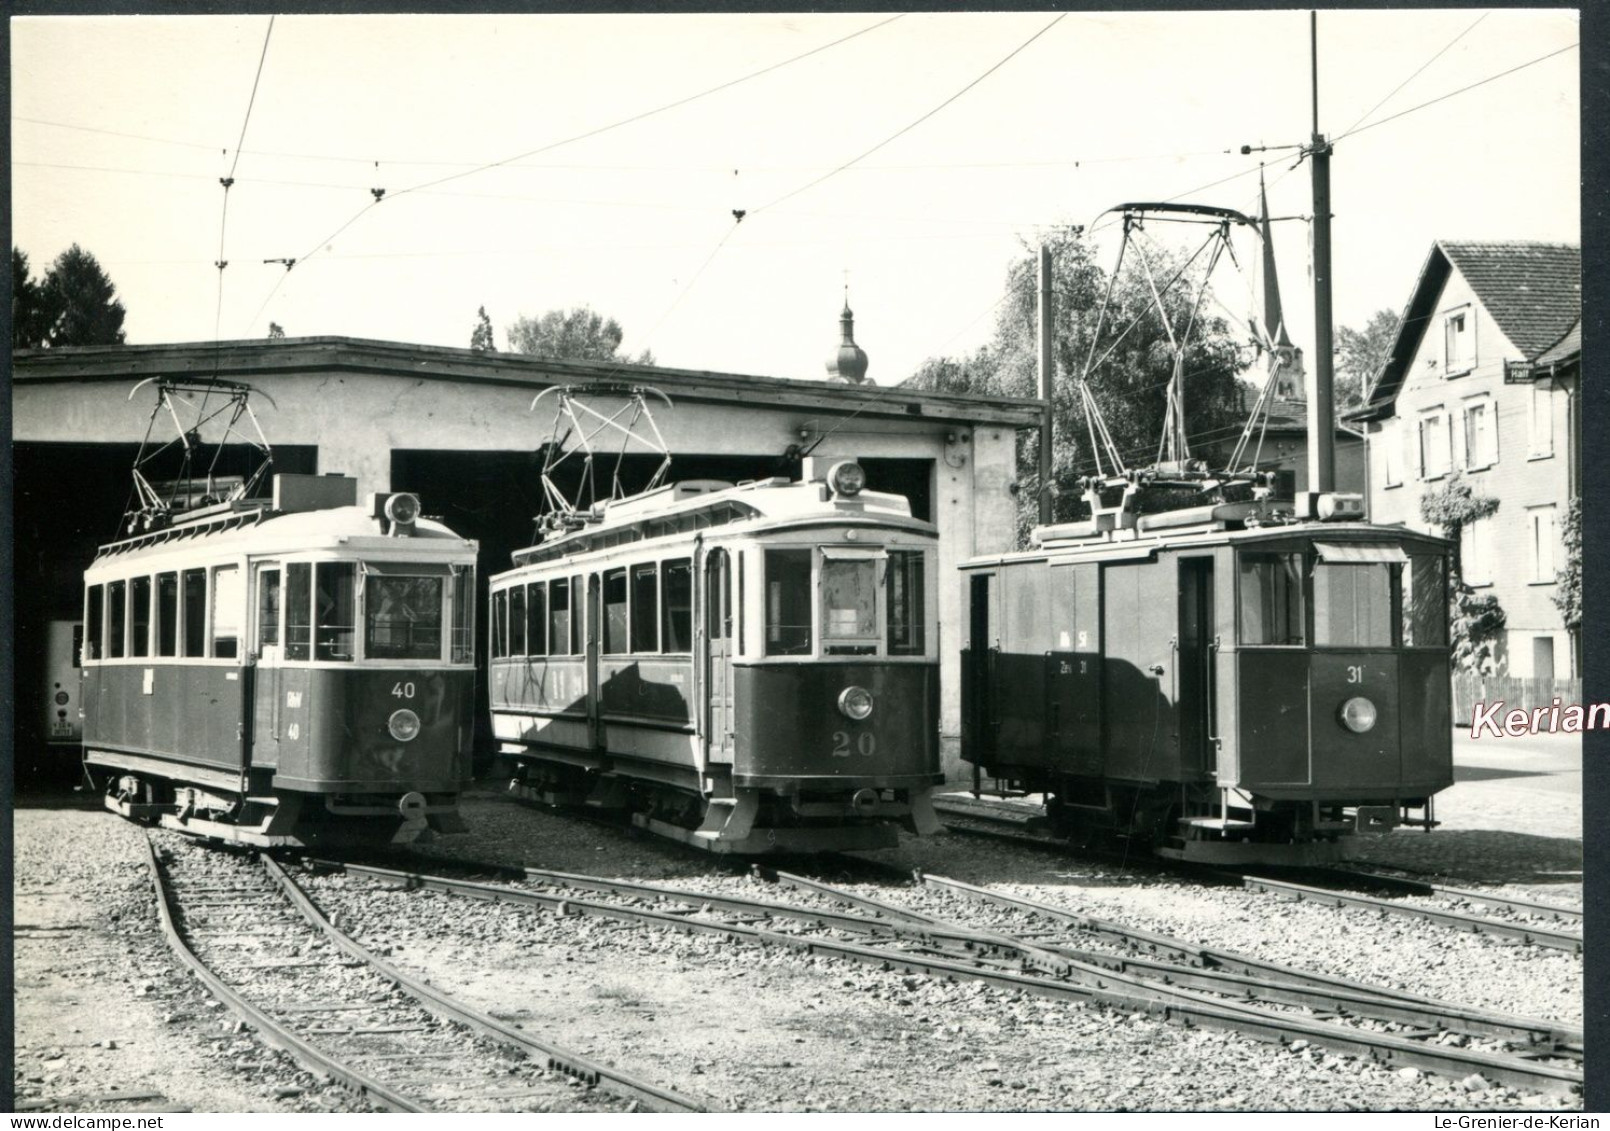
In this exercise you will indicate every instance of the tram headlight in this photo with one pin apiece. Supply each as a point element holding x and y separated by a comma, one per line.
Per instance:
<point>402,508</point>
<point>855,703</point>
<point>404,725</point>
<point>847,478</point>
<point>1358,714</point>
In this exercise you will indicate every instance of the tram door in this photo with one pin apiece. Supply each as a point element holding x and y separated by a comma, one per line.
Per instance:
<point>1197,661</point>
<point>592,639</point>
<point>267,650</point>
<point>720,720</point>
<point>979,719</point>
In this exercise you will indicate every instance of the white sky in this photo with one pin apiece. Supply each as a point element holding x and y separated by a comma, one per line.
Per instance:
<point>636,221</point>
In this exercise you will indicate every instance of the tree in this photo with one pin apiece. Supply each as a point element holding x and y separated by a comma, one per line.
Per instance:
<point>1360,355</point>
<point>581,334</point>
<point>30,317</point>
<point>82,301</point>
<point>275,330</point>
<point>1130,386</point>
<point>1477,622</point>
<point>481,337</point>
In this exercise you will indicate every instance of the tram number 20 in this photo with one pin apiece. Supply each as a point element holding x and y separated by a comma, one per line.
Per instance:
<point>403,690</point>
<point>865,744</point>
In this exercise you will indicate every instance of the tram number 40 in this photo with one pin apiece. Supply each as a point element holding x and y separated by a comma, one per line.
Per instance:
<point>865,744</point>
<point>403,690</point>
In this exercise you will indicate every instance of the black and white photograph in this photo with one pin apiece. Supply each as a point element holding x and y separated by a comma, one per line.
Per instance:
<point>824,561</point>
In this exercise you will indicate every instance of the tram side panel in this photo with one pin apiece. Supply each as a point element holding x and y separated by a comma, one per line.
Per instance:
<point>188,712</point>
<point>1075,669</point>
<point>1141,731</point>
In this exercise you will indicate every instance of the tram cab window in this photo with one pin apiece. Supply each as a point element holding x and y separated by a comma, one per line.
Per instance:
<point>500,624</point>
<point>903,597</point>
<point>268,610</point>
<point>116,612</point>
<point>335,627</point>
<point>193,611</point>
<point>788,602</point>
<point>1271,598</point>
<point>94,621</point>
<point>1425,602</point>
<point>676,633</point>
<point>140,620</point>
<point>463,616</point>
<point>615,612</point>
<point>559,617</point>
<point>645,608</point>
<point>1353,605</point>
<point>517,620</point>
<point>228,599</point>
<point>167,614</point>
<point>402,617</point>
<point>536,619</point>
<point>849,604</point>
<point>299,611</point>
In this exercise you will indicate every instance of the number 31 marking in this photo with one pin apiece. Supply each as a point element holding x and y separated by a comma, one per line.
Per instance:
<point>1355,673</point>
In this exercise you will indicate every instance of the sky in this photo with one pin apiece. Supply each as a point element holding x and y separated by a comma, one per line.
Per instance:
<point>599,159</point>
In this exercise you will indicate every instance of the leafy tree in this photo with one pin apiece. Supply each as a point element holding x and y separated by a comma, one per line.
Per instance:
<point>275,330</point>
<point>1360,354</point>
<point>581,334</point>
<point>30,317</point>
<point>1478,622</point>
<point>83,302</point>
<point>1130,386</point>
<point>1568,597</point>
<point>481,337</point>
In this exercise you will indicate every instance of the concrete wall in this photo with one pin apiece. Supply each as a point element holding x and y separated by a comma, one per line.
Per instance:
<point>1521,478</point>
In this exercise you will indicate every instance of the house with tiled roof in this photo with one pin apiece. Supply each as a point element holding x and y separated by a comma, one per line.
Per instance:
<point>1483,382</point>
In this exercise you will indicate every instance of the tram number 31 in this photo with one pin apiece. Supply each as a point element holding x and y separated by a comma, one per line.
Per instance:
<point>866,744</point>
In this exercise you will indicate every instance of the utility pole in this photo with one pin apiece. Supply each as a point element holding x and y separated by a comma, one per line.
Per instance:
<point>1046,371</point>
<point>1321,389</point>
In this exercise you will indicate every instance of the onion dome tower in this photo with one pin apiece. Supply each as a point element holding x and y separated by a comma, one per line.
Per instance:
<point>848,364</point>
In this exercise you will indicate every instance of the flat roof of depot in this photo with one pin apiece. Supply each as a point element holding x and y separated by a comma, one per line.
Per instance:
<point>260,358</point>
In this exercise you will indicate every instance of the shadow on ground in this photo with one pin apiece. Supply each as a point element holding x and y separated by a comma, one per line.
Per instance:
<point>1477,855</point>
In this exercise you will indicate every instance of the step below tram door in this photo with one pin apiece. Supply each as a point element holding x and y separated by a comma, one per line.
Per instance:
<point>1198,663</point>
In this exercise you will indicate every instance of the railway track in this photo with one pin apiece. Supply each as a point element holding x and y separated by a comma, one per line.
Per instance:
<point>254,939</point>
<point>1018,825</point>
<point>1173,980</point>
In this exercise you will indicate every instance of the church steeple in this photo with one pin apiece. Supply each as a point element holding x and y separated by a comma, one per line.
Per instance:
<point>1289,385</point>
<point>849,362</point>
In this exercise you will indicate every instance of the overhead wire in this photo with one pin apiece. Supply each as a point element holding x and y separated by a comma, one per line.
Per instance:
<point>228,182</point>
<point>1418,71</point>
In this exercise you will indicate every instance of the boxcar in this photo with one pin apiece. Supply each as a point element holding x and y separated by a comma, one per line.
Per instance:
<point>1218,688</point>
<point>746,668</point>
<point>283,672</point>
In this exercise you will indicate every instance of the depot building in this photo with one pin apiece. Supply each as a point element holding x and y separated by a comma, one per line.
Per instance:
<point>457,427</point>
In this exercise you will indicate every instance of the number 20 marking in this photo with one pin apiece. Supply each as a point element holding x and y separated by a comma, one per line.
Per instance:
<point>1355,673</point>
<point>403,690</point>
<point>866,744</point>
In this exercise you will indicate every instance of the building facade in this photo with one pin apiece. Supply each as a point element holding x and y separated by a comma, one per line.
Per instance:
<point>1482,384</point>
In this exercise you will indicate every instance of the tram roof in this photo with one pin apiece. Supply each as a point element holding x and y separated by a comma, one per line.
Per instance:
<point>260,359</point>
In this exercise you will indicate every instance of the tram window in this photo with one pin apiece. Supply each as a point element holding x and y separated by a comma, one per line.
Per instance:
<point>463,616</point>
<point>228,597</point>
<point>167,614</point>
<point>578,618</point>
<point>676,633</point>
<point>559,617</point>
<point>904,599</point>
<point>193,611</point>
<point>402,617</point>
<point>536,620</point>
<point>140,621</point>
<point>1353,605</point>
<point>335,629</point>
<point>645,608</point>
<point>615,612</point>
<point>1425,602</point>
<point>517,620</point>
<point>95,619</point>
<point>299,611</point>
<point>849,606</point>
<point>788,602</point>
<point>500,624</point>
<point>116,610</point>
<point>1272,599</point>
<point>268,609</point>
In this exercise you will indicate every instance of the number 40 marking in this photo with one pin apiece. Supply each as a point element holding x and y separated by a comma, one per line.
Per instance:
<point>403,690</point>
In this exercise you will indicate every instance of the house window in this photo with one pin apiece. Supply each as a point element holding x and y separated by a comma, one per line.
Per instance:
<point>1458,341</point>
<point>1541,520</point>
<point>1476,552</point>
<point>1540,420</point>
<point>1391,437</point>
<point>1481,439</point>
<point>1434,449</point>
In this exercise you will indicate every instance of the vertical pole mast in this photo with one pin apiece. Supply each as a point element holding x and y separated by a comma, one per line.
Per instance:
<point>1321,403</point>
<point>1046,312</point>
